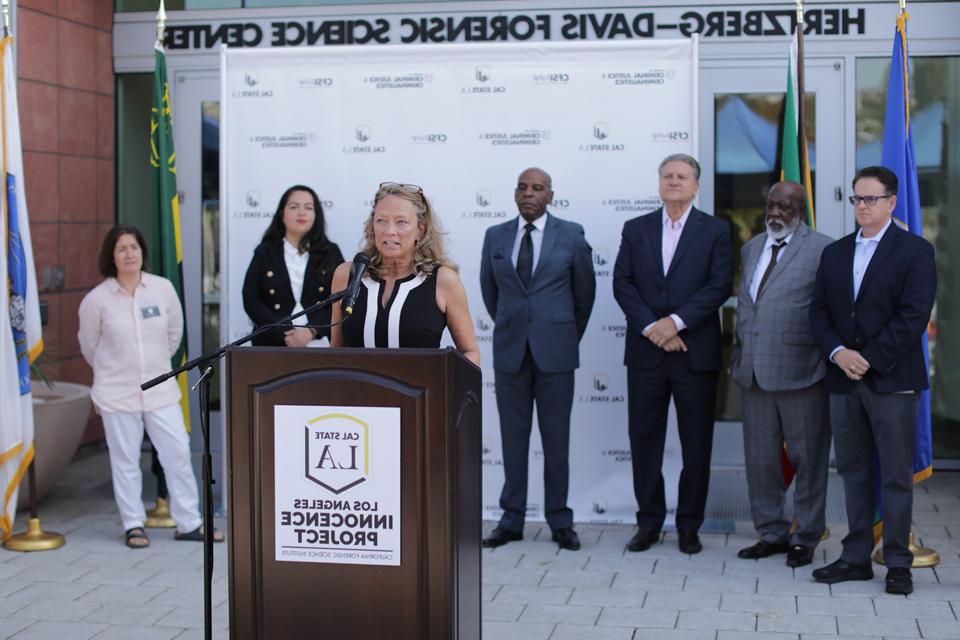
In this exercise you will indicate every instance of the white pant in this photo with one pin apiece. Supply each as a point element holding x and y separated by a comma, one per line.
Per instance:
<point>169,435</point>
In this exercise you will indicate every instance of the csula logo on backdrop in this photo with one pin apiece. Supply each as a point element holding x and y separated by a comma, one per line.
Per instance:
<point>598,391</point>
<point>668,22</point>
<point>250,209</point>
<point>251,82</point>
<point>601,132</point>
<point>362,134</point>
<point>601,262</point>
<point>481,82</point>
<point>483,198</point>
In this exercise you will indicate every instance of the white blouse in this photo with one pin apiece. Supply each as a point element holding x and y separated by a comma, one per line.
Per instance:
<point>129,339</point>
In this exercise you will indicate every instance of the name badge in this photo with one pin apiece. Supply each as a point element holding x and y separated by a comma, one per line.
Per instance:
<point>150,312</point>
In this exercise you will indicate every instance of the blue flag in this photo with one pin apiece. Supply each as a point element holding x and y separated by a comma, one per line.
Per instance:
<point>898,156</point>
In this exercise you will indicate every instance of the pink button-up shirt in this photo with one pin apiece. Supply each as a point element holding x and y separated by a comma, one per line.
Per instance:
<point>129,340</point>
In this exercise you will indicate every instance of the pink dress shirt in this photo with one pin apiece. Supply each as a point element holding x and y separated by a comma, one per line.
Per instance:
<point>129,340</point>
<point>671,238</point>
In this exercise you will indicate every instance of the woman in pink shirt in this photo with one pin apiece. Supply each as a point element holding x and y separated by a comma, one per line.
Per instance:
<point>130,326</point>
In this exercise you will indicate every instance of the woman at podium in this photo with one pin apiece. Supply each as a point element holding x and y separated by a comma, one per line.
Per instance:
<point>411,291</point>
<point>130,327</point>
<point>291,269</point>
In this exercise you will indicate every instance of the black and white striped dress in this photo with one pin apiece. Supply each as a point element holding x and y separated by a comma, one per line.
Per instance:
<point>410,318</point>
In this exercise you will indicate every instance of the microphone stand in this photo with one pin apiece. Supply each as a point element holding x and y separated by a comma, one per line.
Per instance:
<point>204,364</point>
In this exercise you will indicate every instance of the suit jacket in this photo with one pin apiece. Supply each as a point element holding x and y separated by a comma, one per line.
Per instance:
<point>551,313</point>
<point>887,320</point>
<point>698,281</point>
<point>773,340</point>
<point>268,297</point>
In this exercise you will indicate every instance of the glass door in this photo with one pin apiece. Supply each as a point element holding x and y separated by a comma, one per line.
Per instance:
<point>741,107</point>
<point>196,96</point>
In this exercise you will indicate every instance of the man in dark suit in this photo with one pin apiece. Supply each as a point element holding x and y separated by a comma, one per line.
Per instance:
<point>537,280</point>
<point>780,372</point>
<point>874,293</point>
<point>674,270</point>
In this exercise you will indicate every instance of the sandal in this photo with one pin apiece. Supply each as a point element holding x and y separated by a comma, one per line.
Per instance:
<point>197,535</point>
<point>137,538</point>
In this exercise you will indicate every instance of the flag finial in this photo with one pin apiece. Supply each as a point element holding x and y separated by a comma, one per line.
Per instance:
<point>6,17</point>
<point>161,21</point>
<point>800,13</point>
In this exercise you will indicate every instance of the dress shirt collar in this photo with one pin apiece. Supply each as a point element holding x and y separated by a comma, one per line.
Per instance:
<point>666,220</point>
<point>861,240</point>
<point>292,251</point>
<point>114,286</point>
<point>539,224</point>
<point>783,241</point>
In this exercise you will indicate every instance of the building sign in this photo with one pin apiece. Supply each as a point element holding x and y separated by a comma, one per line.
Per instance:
<point>709,23</point>
<point>337,484</point>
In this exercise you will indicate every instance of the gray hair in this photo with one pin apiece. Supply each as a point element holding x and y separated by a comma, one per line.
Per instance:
<point>681,157</point>
<point>546,175</point>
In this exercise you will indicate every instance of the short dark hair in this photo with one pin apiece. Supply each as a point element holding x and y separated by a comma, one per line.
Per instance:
<point>886,177</point>
<point>313,240</point>
<point>108,268</point>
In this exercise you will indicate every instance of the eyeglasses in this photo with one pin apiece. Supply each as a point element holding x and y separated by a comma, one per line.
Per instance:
<point>413,189</point>
<point>867,200</point>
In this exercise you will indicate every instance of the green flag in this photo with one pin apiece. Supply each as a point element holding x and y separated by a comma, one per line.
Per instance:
<point>794,140</point>
<point>790,152</point>
<point>166,204</point>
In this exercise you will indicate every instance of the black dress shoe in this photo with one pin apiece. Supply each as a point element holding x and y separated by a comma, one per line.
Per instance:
<point>643,539</point>
<point>688,541</point>
<point>799,555</point>
<point>899,581</point>
<point>567,539</point>
<point>763,549</point>
<point>841,571</point>
<point>500,536</point>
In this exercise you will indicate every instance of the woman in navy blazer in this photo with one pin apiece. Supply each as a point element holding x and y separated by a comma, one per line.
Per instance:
<point>297,227</point>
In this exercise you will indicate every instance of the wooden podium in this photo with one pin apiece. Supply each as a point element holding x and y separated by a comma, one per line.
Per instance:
<point>434,592</point>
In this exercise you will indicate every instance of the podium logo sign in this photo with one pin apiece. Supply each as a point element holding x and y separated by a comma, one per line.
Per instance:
<point>337,484</point>
<point>338,451</point>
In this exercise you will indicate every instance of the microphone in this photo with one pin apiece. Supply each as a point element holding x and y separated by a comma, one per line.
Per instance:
<point>360,262</point>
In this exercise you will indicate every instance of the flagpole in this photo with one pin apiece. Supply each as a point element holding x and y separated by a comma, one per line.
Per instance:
<point>35,538</point>
<point>801,96</point>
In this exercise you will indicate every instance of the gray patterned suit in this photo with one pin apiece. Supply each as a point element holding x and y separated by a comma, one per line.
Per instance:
<point>780,372</point>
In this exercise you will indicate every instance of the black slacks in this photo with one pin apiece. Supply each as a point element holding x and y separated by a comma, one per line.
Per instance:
<point>695,394</point>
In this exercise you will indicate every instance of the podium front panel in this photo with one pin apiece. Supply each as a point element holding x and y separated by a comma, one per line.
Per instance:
<point>431,592</point>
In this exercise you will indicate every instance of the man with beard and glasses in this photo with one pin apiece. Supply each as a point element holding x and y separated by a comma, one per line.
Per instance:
<point>780,372</point>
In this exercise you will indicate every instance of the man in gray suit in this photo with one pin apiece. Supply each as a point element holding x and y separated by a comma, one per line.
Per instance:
<point>537,280</point>
<point>780,372</point>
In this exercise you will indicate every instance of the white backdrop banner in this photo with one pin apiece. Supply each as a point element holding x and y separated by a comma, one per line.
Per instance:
<point>463,121</point>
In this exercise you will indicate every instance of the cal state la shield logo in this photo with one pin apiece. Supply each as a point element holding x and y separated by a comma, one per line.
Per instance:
<point>337,451</point>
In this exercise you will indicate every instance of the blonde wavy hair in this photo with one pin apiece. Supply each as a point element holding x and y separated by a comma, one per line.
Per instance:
<point>429,253</point>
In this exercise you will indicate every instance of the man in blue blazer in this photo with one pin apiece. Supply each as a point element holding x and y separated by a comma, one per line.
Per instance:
<point>673,272</point>
<point>538,284</point>
<point>872,300</point>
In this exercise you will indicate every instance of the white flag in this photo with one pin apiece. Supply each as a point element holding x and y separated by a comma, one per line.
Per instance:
<point>21,340</point>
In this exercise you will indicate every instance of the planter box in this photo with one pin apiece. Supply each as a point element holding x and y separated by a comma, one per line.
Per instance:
<point>60,416</point>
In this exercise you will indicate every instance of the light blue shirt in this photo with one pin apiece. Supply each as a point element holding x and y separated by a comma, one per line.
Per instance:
<point>865,248</point>
<point>862,255</point>
<point>536,235</point>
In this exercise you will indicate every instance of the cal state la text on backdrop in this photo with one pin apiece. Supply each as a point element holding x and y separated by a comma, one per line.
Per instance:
<point>463,121</point>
